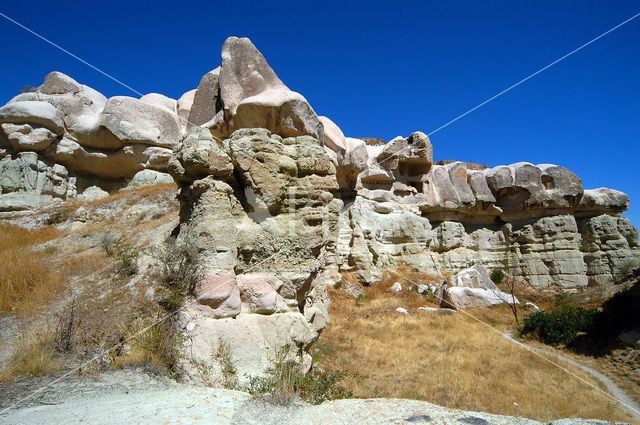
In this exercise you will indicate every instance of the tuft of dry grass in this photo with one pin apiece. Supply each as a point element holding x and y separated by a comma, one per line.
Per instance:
<point>448,359</point>
<point>36,356</point>
<point>26,281</point>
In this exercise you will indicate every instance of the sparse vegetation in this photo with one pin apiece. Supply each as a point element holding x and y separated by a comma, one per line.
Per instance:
<point>223,354</point>
<point>286,382</point>
<point>109,243</point>
<point>447,359</point>
<point>26,281</point>
<point>127,256</point>
<point>66,324</point>
<point>36,356</point>
<point>57,217</point>
<point>27,89</point>
<point>180,262</point>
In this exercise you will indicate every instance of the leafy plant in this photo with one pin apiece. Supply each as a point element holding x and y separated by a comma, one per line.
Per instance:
<point>109,243</point>
<point>181,265</point>
<point>65,327</point>
<point>497,275</point>
<point>560,325</point>
<point>338,284</point>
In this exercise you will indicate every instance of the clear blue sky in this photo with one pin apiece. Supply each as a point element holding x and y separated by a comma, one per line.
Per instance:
<point>380,69</point>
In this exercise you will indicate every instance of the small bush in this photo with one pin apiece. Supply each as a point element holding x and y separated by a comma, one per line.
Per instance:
<point>285,382</point>
<point>226,363</point>
<point>27,89</point>
<point>109,243</point>
<point>158,346</point>
<point>560,325</point>
<point>57,217</point>
<point>181,265</point>
<point>496,276</point>
<point>338,284</point>
<point>128,259</point>
<point>65,327</point>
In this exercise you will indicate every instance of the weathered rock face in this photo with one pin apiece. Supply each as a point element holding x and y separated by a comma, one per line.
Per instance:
<point>532,221</point>
<point>278,200</point>
<point>264,212</point>
<point>248,94</point>
<point>472,287</point>
<point>84,138</point>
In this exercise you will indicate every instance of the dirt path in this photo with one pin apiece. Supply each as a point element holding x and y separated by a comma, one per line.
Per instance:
<point>627,402</point>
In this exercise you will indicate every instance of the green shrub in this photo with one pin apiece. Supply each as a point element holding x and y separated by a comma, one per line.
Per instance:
<point>338,284</point>
<point>284,382</point>
<point>496,276</point>
<point>560,325</point>
<point>128,259</point>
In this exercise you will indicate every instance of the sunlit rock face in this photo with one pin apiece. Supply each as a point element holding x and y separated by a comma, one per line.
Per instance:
<point>263,215</point>
<point>278,201</point>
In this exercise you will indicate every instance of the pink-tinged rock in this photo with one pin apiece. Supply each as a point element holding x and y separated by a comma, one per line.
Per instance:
<point>258,292</point>
<point>220,292</point>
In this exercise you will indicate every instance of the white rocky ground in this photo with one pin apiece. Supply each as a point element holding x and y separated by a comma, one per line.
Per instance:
<point>136,397</point>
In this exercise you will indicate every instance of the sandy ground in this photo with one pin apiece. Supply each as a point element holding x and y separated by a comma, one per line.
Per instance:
<point>140,397</point>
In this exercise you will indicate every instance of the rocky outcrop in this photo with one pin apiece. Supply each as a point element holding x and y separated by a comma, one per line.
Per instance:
<point>263,209</point>
<point>472,287</point>
<point>83,138</point>
<point>532,221</point>
<point>278,200</point>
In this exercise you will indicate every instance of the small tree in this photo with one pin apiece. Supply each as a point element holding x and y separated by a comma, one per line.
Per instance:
<point>498,276</point>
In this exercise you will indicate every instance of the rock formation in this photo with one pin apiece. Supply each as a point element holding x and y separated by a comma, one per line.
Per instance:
<point>260,205</point>
<point>279,201</point>
<point>69,136</point>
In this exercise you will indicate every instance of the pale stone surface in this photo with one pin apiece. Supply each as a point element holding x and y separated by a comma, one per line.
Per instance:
<point>160,101</point>
<point>402,310</point>
<point>149,178</point>
<point>126,120</point>
<point>28,176</point>
<point>93,193</point>
<point>206,101</point>
<point>253,96</point>
<point>221,293</point>
<point>183,107</point>
<point>396,287</point>
<point>333,137</point>
<point>36,113</point>
<point>132,396</point>
<point>263,209</point>
<point>24,137</point>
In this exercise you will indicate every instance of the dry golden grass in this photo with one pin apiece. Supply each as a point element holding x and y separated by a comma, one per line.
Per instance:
<point>35,356</point>
<point>135,194</point>
<point>448,359</point>
<point>26,281</point>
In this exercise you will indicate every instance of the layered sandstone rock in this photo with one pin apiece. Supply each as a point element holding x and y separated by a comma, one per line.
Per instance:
<point>532,221</point>
<point>84,138</point>
<point>263,209</point>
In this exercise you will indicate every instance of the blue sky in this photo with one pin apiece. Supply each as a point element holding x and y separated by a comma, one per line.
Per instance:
<point>381,69</point>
